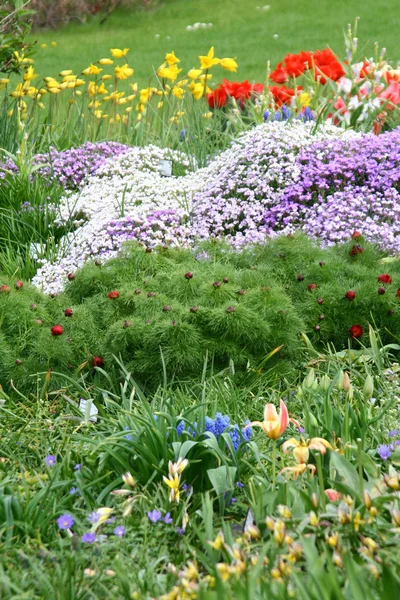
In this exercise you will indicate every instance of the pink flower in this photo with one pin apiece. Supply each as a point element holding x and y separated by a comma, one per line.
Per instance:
<point>333,495</point>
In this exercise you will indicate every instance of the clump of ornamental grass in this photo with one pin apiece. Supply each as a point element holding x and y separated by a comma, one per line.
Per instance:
<point>164,312</point>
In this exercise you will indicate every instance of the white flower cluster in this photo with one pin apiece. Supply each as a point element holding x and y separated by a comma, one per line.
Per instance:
<point>128,194</point>
<point>198,26</point>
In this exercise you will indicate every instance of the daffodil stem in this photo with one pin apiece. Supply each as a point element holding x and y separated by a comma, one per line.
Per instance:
<point>273,464</point>
<point>320,480</point>
<point>360,467</point>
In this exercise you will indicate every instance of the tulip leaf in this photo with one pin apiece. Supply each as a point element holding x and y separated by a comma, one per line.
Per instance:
<point>346,470</point>
<point>222,478</point>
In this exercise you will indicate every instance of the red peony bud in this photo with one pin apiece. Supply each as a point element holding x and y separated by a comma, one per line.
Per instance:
<point>322,263</point>
<point>225,280</point>
<point>189,275</point>
<point>113,295</point>
<point>151,294</point>
<point>356,235</point>
<point>19,284</point>
<point>350,295</point>
<point>127,324</point>
<point>231,309</point>
<point>241,292</point>
<point>320,300</point>
<point>384,278</point>
<point>68,312</point>
<point>311,287</point>
<point>71,276</point>
<point>33,307</point>
<point>300,277</point>
<point>381,291</point>
<point>5,289</point>
<point>166,308</point>
<point>57,330</point>
<point>38,321</point>
<point>18,362</point>
<point>321,317</point>
<point>217,284</point>
<point>194,309</point>
<point>317,328</point>
<point>356,331</point>
<point>137,291</point>
<point>97,361</point>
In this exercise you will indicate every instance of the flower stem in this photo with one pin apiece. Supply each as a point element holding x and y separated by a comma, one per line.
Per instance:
<point>273,464</point>
<point>320,480</point>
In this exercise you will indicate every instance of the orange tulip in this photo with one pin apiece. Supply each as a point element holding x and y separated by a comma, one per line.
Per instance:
<point>301,449</point>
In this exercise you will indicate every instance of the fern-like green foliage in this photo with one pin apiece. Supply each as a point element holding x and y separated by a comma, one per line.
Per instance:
<point>237,306</point>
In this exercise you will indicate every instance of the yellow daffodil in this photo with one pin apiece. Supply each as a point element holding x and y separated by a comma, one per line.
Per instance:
<point>198,90</point>
<point>209,61</point>
<point>123,72</point>
<point>4,81</point>
<point>54,44</point>
<point>168,72</point>
<point>229,64</point>
<point>301,448</point>
<point>92,70</point>
<point>43,46</point>
<point>145,95</point>
<point>65,73</point>
<point>195,73</point>
<point>117,53</point>
<point>19,91</point>
<point>178,92</point>
<point>106,61</point>
<point>171,59</point>
<point>106,77</point>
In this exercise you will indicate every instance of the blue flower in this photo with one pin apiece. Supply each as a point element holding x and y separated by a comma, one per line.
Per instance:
<point>65,522</point>
<point>307,115</point>
<point>384,451</point>
<point>119,531</point>
<point>73,490</point>
<point>167,519</point>
<point>239,484</point>
<point>180,427</point>
<point>89,537</point>
<point>235,436</point>
<point>50,460</point>
<point>210,425</point>
<point>154,515</point>
<point>247,432</point>
<point>266,115</point>
<point>78,467</point>
<point>93,517</point>
<point>221,423</point>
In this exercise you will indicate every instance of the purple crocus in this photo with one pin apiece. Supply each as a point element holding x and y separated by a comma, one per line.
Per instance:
<point>384,451</point>
<point>119,531</point>
<point>89,537</point>
<point>50,460</point>
<point>167,519</point>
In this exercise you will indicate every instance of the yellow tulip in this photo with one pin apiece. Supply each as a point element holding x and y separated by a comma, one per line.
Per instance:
<point>209,61</point>
<point>92,70</point>
<point>168,72</point>
<point>19,91</point>
<point>106,61</point>
<point>171,59</point>
<point>195,73</point>
<point>229,64</point>
<point>123,72</point>
<point>301,449</point>
<point>117,53</point>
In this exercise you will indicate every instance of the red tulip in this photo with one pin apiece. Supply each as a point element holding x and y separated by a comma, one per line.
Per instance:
<point>57,330</point>
<point>333,495</point>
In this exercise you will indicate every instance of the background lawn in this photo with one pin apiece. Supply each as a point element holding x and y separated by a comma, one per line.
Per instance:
<point>239,30</point>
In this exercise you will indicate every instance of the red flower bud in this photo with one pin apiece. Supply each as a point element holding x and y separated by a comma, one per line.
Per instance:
<point>18,362</point>
<point>350,295</point>
<point>381,291</point>
<point>189,275</point>
<point>5,289</point>
<point>322,263</point>
<point>68,312</point>
<point>321,317</point>
<point>225,280</point>
<point>97,361</point>
<point>356,235</point>
<point>194,309</point>
<point>166,308</point>
<point>33,307</point>
<point>384,278</point>
<point>217,284</point>
<point>151,294</point>
<point>71,276</point>
<point>127,324</point>
<point>113,295</point>
<point>317,328</point>
<point>19,284</point>
<point>231,309</point>
<point>356,250</point>
<point>311,287</point>
<point>57,330</point>
<point>300,277</point>
<point>356,331</point>
<point>320,300</point>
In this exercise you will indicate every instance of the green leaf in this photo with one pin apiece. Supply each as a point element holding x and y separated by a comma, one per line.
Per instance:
<point>222,478</point>
<point>345,469</point>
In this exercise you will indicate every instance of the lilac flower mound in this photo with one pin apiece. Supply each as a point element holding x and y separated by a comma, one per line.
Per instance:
<point>345,185</point>
<point>70,167</point>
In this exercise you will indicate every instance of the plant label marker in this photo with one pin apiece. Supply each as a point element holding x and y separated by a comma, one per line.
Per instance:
<point>165,167</point>
<point>88,410</point>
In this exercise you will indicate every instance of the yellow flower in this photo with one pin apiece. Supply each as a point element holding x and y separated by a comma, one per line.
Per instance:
<point>218,543</point>
<point>207,115</point>
<point>198,90</point>
<point>209,61</point>
<point>54,90</point>
<point>19,91</point>
<point>43,46</point>
<point>178,92</point>
<point>173,483</point>
<point>171,59</point>
<point>4,81</point>
<point>103,514</point>
<point>106,61</point>
<point>299,470</point>
<point>229,64</point>
<point>106,77</point>
<point>123,72</point>
<point>65,73</point>
<point>145,95</point>
<point>54,44</point>
<point>304,100</point>
<point>273,425</point>
<point>195,73</point>
<point>301,449</point>
<point>30,74</point>
<point>171,72</point>
<point>117,53</point>
<point>92,70</point>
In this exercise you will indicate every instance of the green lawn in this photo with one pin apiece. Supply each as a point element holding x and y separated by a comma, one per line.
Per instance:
<point>239,30</point>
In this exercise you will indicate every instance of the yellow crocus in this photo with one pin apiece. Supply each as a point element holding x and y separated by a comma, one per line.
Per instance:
<point>195,73</point>
<point>123,72</point>
<point>117,53</point>
<point>229,64</point>
<point>209,61</point>
<point>106,61</point>
<point>171,59</point>
<point>92,70</point>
